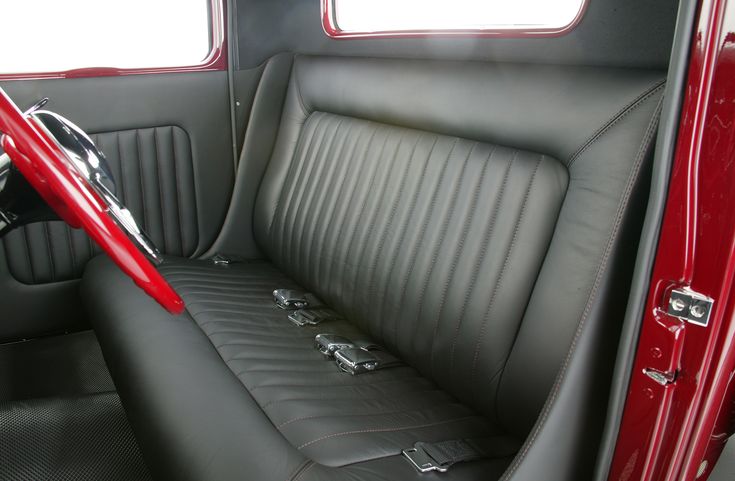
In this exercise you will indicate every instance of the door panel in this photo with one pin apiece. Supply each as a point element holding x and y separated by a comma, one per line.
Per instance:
<point>167,138</point>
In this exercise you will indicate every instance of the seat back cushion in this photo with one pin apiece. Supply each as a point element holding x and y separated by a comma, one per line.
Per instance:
<point>458,213</point>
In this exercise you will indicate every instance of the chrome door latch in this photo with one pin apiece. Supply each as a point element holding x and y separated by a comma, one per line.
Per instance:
<point>690,306</point>
<point>661,377</point>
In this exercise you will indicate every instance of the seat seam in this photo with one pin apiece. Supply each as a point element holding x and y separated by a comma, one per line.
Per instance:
<point>304,467</point>
<point>422,233</point>
<point>388,413</point>
<point>363,202</point>
<point>402,237</point>
<point>503,270</point>
<point>617,117</point>
<point>310,190</point>
<point>364,241</point>
<point>489,231</point>
<point>333,206</point>
<point>383,430</point>
<point>389,224</point>
<point>466,225</point>
<point>548,405</point>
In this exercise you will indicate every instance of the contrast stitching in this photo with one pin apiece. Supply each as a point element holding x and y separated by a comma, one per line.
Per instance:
<point>410,410</point>
<point>373,215</point>
<point>174,159</point>
<point>297,84</point>
<point>363,202</point>
<point>311,192</point>
<point>467,224</point>
<point>44,225</point>
<point>300,190</point>
<point>326,203</point>
<point>323,399</point>
<point>342,385</point>
<point>598,277</point>
<point>72,255</point>
<point>422,234</point>
<point>617,118</point>
<point>28,253</point>
<point>388,227</point>
<point>304,467</point>
<point>444,229</point>
<point>503,270</point>
<point>332,206</point>
<point>293,166</point>
<point>142,179</point>
<point>489,230</point>
<point>157,161</point>
<point>384,430</point>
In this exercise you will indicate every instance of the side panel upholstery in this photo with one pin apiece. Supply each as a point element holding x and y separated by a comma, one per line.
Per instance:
<point>402,255</point>
<point>186,115</point>
<point>154,176</point>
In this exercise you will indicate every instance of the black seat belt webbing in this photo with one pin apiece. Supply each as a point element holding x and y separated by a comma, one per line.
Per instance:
<point>441,455</point>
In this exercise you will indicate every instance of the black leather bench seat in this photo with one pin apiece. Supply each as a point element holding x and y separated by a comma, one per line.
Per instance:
<point>479,221</point>
<point>328,417</point>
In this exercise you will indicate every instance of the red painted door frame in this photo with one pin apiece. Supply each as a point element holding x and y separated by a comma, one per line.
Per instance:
<point>677,431</point>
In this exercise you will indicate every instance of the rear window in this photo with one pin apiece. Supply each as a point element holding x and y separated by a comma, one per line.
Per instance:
<point>60,35</point>
<point>447,16</point>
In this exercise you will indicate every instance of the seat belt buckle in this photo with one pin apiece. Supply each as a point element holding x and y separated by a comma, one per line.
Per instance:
<point>221,260</point>
<point>312,317</point>
<point>290,299</point>
<point>356,360</point>
<point>422,461</point>
<point>328,344</point>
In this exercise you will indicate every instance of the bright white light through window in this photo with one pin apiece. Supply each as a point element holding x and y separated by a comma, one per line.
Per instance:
<point>58,35</point>
<point>392,15</point>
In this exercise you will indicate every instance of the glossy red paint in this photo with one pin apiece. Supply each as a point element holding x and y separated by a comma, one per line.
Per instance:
<point>329,23</point>
<point>216,60</point>
<point>668,432</point>
<point>41,161</point>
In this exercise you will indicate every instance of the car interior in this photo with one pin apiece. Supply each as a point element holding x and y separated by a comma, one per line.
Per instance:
<point>465,209</point>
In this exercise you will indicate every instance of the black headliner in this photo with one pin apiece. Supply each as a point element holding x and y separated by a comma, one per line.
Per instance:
<point>624,33</point>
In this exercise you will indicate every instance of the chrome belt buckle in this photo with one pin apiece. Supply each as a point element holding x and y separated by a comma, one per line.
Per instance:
<point>289,299</point>
<point>422,461</point>
<point>312,317</point>
<point>328,344</point>
<point>356,361</point>
<point>304,317</point>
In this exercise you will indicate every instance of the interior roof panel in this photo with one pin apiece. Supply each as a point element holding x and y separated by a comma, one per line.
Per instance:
<point>624,33</point>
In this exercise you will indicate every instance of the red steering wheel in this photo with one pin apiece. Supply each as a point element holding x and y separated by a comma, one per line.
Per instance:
<point>78,197</point>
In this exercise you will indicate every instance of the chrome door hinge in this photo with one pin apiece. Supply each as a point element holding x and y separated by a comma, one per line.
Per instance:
<point>690,306</point>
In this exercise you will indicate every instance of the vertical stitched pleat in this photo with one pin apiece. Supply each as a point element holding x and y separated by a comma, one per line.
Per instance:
<point>154,178</point>
<point>410,235</point>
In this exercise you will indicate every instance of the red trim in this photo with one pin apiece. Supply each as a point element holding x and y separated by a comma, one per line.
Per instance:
<point>216,60</point>
<point>329,23</point>
<point>668,431</point>
<point>47,169</point>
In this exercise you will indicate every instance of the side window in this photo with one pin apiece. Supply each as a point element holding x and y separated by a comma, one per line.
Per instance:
<point>426,17</point>
<point>46,36</point>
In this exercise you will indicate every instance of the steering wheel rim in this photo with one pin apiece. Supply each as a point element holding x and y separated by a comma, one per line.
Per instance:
<point>47,168</point>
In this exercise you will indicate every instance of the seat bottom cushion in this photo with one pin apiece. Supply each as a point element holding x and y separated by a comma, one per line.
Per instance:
<point>232,390</point>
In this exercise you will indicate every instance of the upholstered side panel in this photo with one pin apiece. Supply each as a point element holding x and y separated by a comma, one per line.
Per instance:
<point>430,243</point>
<point>154,175</point>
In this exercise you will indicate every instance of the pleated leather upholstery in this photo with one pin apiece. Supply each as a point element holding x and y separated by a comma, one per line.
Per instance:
<point>429,243</point>
<point>154,176</point>
<point>333,418</point>
<point>468,217</point>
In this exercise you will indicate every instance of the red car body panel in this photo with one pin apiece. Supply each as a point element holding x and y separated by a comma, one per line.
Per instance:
<point>677,431</point>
